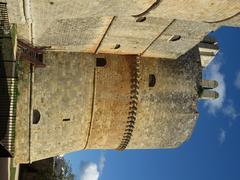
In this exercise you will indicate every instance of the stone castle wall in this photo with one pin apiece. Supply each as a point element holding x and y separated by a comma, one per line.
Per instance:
<point>167,112</point>
<point>43,14</point>
<point>84,106</point>
<point>62,93</point>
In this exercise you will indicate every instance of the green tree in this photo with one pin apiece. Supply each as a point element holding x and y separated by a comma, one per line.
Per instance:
<point>50,173</point>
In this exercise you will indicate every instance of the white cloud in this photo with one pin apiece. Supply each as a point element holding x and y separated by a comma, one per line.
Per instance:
<point>237,81</point>
<point>213,73</point>
<point>92,171</point>
<point>89,171</point>
<point>222,136</point>
<point>102,162</point>
<point>230,110</point>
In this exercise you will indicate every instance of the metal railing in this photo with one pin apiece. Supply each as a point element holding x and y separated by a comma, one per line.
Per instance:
<point>8,85</point>
<point>4,20</point>
<point>30,53</point>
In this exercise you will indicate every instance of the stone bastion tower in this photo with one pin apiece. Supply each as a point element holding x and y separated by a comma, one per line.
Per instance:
<point>112,74</point>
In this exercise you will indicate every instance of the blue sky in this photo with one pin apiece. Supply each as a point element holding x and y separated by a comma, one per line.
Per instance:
<point>213,152</point>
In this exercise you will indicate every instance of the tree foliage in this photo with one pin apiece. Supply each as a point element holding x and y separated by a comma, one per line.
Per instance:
<point>51,174</point>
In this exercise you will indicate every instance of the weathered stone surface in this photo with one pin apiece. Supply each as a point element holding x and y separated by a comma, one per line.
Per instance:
<point>22,120</point>
<point>232,21</point>
<point>83,106</point>
<point>196,10</point>
<point>44,13</point>
<point>81,25</point>
<point>111,102</point>
<point>24,32</point>
<point>78,34</point>
<point>208,51</point>
<point>16,11</point>
<point>209,84</point>
<point>100,35</point>
<point>190,34</point>
<point>167,112</point>
<point>209,94</point>
<point>208,10</point>
<point>62,93</point>
<point>133,37</point>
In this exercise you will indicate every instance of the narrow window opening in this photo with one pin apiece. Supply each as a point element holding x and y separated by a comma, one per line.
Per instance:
<point>117,46</point>
<point>68,119</point>
<point>100,62</point>
<point>151,80</point>
<point>175,38</point>
<point>141,19</point>
<point>36,116</point>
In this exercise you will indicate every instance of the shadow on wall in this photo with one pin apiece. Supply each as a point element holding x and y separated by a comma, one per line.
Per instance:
<point>4,98</point>
<point>39,170</point>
